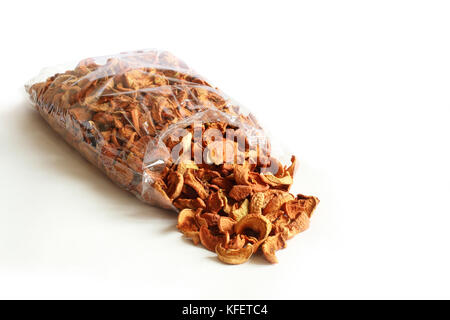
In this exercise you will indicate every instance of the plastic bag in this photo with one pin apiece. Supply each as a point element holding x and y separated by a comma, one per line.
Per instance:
<point>161,131</point>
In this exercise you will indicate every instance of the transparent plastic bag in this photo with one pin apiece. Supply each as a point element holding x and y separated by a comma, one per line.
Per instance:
<point>117,110</point>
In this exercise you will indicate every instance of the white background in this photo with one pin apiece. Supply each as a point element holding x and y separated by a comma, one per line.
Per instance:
<point>359,90</point>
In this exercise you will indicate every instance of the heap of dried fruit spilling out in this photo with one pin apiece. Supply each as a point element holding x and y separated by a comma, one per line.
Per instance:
<point>160,131</point>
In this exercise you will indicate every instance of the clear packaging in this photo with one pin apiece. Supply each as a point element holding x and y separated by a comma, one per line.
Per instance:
<point>118,110</point>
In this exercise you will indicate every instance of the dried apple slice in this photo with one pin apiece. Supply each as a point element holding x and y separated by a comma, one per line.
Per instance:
<point>240,192</point>
<point>277,201</point>
<point>272,244</point>
<point>257,203</point>
<point>276,182</point>
<point>300,224</point>
<point>236,242</point>
<point>208,240</point>
<point>257,223</point>
<point>238,213</point>
<point>187,224</point>
<point>234,256</point>
<point>175,185</point>
<point>226,224</point>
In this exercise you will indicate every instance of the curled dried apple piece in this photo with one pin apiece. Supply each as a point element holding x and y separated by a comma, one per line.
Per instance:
<point>281,223</point>
<point>272,244</point>
<point>215,202</point>
<point>187,224</point>
<point>189,203</point>
<point>300,224</point>
<point>175,185</point>
<point>236,242</point>
<point>191,180</point>
<point>257,182</point>
<point>277,201</point>
<point>194,236</point>
<point>238,213</point>
<point>159,187</point>
<point>212,219</point>
<point>276,182</point>
<point>234,256</point>
<point>201,221</point>
<point>292,167</point>
<point>208,240</point>
<point>310,203</point>
<point>226,207</point>
<point>226,224</point>
<point>256,223</point>
<point>222,183</point>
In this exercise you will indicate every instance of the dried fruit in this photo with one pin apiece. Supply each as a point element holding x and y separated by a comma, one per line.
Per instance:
<point>240,192</point>
<point>208,239</point>
<point>274,181</point>
<point>272,244</point>
<point>257,203</point>
<point>257,224</point>
<point>187,224</point>
<point>226,224</point>
<point>300,224</point>
<point>162,132</point>
<point>238,213</point>
<point>194,183</point>
<point>175,183</point>
<point>234,256</point>
<point>277,201</point>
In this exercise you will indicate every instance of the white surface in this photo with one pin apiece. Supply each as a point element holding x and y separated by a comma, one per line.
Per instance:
<point>358,90</point>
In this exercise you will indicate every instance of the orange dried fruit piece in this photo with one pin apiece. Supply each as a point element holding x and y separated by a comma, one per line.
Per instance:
<point>226,224</point>
<point>274,215</point>
<point>222,183</point>
<point>257,224</point>
<point>189,203</point>
<point>300,224</point>
<point>234,256</point>
<point>292,167</point>
<point>201,221</point>
<point>277,182</point>
<point>175,185</point>
<point>215,201</point>
<point>281,222</point>
<point>237,242</point>
<point>241,174</point>
<point>208,239</point>
<point>240,212</point>
<point>240,192</point>
<point>194,183</point>
<point>277,201</point>
<point>310,203</point>
<point>212,219</point>
<point>257,203</point>
<point>271,245</point>
<point>187,224</point>
<point>257,182</point>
